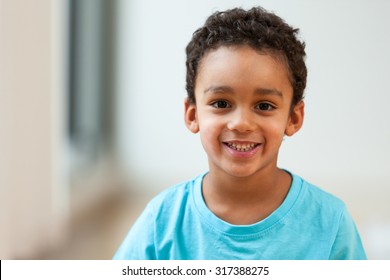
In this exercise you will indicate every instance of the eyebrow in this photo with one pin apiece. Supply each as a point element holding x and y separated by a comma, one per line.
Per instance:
<point>229,90</point>
<point>269,91</point>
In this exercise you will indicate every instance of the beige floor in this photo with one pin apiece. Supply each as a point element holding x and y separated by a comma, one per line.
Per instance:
<point>97,234</point>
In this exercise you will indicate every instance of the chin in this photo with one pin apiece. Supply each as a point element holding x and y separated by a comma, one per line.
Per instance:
<point>241,172</point>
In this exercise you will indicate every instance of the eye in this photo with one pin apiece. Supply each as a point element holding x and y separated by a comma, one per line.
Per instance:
<point>220,104</point>
<point>265,106</point>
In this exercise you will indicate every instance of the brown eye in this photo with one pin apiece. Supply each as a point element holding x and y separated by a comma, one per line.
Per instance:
<point>221,104</point>
<point>265,107</point>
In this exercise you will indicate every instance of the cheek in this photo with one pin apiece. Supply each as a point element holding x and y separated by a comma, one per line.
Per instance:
<point>210,131</point>
<point>276,129</point>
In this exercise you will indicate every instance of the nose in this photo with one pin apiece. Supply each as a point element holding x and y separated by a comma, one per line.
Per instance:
<point>242,121</point>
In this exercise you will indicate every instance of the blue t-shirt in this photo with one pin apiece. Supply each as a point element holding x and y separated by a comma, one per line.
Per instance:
<point>309,224</point>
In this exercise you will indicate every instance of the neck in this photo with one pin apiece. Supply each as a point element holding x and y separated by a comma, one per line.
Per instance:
<point>244,200</point>
<point>260,184</point>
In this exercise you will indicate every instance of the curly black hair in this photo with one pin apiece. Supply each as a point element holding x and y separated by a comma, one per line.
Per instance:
<point>258,28</point>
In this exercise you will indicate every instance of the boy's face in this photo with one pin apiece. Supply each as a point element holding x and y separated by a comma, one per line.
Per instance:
<point>242,110</point>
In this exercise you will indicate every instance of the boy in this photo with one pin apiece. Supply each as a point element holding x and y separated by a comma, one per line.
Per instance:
<point>245,80</point>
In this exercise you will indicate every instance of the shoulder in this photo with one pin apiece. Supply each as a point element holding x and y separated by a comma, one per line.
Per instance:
<point>174,199</point>
<point>318,196</point>
<point>329,219</point>
<point>157,225</point>
<point>316,203</point>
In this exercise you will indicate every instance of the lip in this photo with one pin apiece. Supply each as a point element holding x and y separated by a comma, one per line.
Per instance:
<point>241,154</point>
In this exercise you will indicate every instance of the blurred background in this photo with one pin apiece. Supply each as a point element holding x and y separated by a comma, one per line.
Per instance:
<point>91,116</point>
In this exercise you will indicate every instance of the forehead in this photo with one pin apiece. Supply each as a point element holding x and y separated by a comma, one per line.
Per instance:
<point>243,68</point>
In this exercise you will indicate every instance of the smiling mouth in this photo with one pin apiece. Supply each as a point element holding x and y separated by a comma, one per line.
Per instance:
<point>242,147</point>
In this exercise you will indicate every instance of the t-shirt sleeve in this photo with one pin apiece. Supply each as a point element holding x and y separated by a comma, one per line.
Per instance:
<point>139,242</point>
<point>347,244</point>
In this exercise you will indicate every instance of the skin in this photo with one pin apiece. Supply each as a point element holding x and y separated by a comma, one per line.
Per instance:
<point>242,112</point>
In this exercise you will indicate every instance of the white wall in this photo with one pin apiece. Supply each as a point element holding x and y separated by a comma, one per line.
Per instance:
<point>343,146</point>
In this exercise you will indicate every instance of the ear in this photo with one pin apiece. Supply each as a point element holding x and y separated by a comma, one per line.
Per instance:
<point>295,120</point>
<point>191,116</point>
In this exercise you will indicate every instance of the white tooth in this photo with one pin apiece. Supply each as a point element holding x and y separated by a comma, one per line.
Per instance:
<point>241,147</point>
